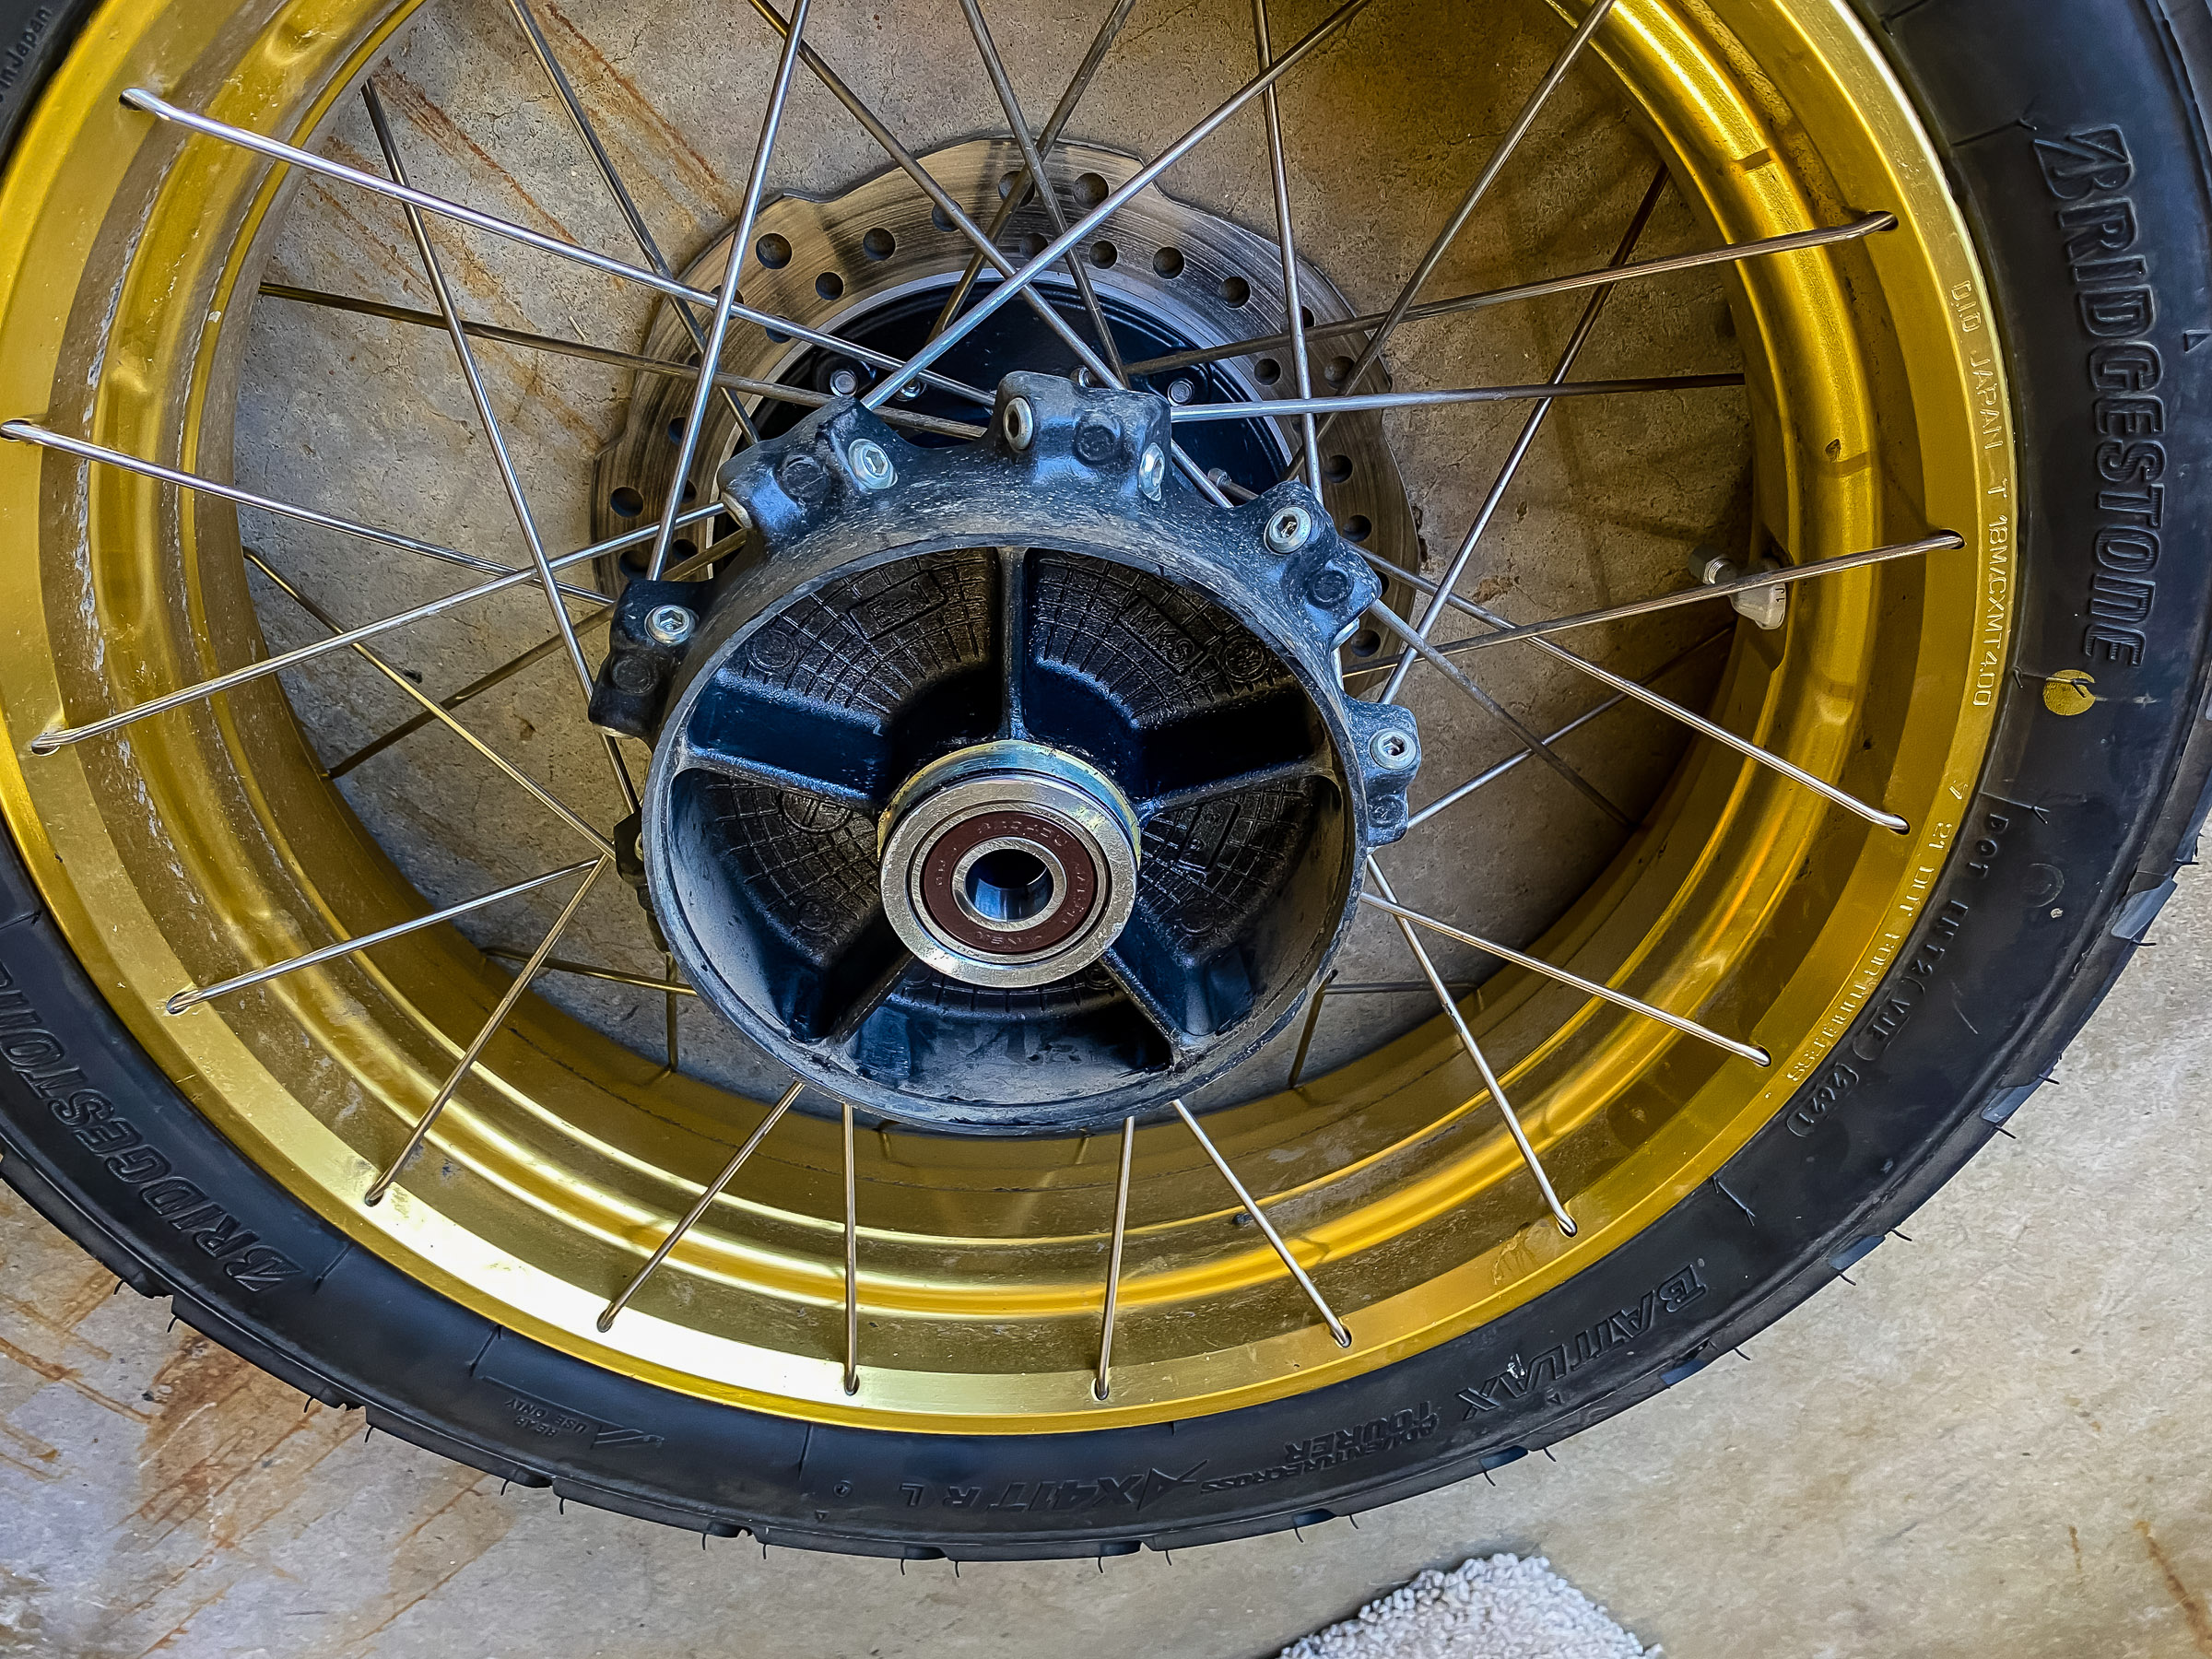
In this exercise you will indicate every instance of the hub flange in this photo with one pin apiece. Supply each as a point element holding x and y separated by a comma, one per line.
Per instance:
<point>1008,784</point>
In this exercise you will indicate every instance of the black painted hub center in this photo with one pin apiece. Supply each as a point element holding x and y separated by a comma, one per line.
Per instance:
<point>1010,783</point>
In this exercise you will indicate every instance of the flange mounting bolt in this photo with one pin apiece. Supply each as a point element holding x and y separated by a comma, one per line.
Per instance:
<point>1290,529</point>
<point>669,624</point>
<point>1152,471</point>
<point>871,467</point>
<point>1393,751</point>
<point>1020,423</point>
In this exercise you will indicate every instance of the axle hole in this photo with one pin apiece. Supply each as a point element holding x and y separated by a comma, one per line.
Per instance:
<point>1007,884</point>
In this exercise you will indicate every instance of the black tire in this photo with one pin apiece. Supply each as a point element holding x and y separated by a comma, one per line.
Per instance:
<point>2044,110</point>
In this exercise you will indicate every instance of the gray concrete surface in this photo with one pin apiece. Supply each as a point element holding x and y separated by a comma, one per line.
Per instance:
<point>1999,1441</point>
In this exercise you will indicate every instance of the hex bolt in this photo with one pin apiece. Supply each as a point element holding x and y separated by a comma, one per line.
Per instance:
<point>670,624</point>
<point>911,390</point>
<point>1289,528</point>
<point>1097,440</point>
<point>1152,470</point>
<point>1181,388</point>
<point>1019,423</point>
<point>843,383</point>
<point>1394,751</point>
<point>871,467</point>
<point>1330,586</point>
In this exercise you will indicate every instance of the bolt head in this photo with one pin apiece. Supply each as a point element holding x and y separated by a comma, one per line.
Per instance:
<point>843,383</point>
<point>1098,438</point>
<point>871,466</point>
<point>1018,422</point>
<point>1394,751</point>
<point>670,624</point>
<point>1289,528</point>
<point>1330,586</point>
<point>911,390</point>
<point>1181,388</point>
<point>1152,470</point>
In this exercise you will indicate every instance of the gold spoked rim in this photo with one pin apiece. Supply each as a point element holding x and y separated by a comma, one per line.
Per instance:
<point>196,845</point>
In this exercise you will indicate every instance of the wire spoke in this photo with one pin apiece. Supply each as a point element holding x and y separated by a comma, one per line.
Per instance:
<point>1585,325</point>
<point>1452,672</point>
<point>1942,542</point>
<point>1018,282</point>
<point>507,953</point>
<point>1078,272</point>
<point>1482,1065</point>
<point>541,49</point>
<point>513,994</point>
<point>191,997</point>
<point>544,796</point>
<point>1102,1385</point>
<point>478,395</point>
<point>1795,241</point>
<point>275,150</point>
<point>1547,390</point>
<point>1259,1217</point>
<point>851,1259</point>
<point>772,391</point>
<point>1757,1056</point>
<point>1476,192</point>
<point>706,1201</point>
<point>47,742</point>
<point>1310,445</point>
<point>1665,705</point>
<point>25,432</point>
<point>1489,775</point>
<point>1047,136</point>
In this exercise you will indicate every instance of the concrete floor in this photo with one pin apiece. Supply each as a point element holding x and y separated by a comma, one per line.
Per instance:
<point>1999,1441</point>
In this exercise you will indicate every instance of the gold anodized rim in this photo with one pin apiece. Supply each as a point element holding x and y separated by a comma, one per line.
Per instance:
<point>205,842</point>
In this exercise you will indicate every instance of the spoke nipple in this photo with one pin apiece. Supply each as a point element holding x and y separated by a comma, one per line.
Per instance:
<point>871,467</point>
<point>671,624</point>
<point>1019,423</point>
<point>911,390</point>
<point>1152,471</point>
<point>1290,529</point>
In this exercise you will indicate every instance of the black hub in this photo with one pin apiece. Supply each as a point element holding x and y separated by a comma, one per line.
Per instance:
<point>1007,784</point>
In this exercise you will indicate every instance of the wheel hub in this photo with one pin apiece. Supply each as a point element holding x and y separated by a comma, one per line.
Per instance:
<point>1010,783</point>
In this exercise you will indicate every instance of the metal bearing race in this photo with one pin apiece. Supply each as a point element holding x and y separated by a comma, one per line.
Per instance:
<point>1029,804</point>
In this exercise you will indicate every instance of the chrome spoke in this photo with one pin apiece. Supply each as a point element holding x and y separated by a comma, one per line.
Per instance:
<point>741,239</point>
<point>541,49</point>
<point>1286,406</point>
<point>478,395</point>
<point>1586,325</point>
<point>1305,1031</point>
<point>507,953</point>
<point>192,998</point>
<point>1795,241</point>
<point>1292,305</point>
<point>138,98</point>
<point>1102,1385</point>
<point>1944,542</point>
<point>1519,728</point>
<point>1018,282</point>
<point>1259,1218</point>
<point>852,1259</point>
<point>513,994</point>
<point>772,391</point>
<point>1665,705</point>
<point>1078,272</point>
<point>1757,1056</point>
<point>47,742</point>
<point>1047,136</point>
<point>706,1201</point>
<point>1482,1065</point>
<point>25,432</point>
<point>1488,775</point>
<point>1476,192</point>
<point>545,797</point>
